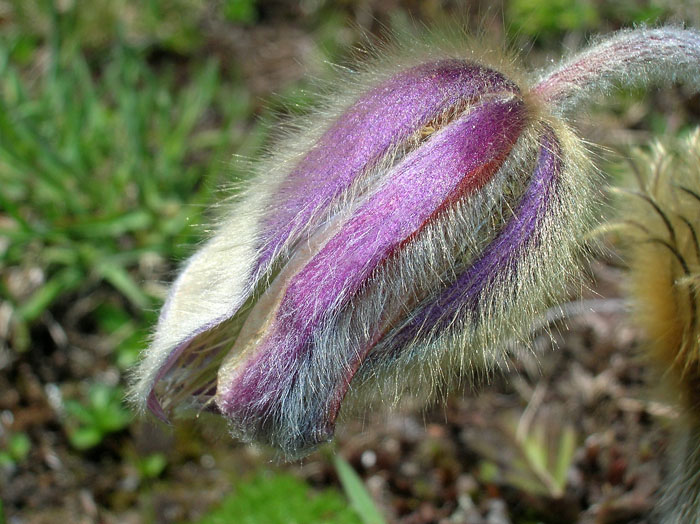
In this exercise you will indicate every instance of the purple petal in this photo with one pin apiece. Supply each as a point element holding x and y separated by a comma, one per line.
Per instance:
<point>520,234</point>
<point>380,120</point>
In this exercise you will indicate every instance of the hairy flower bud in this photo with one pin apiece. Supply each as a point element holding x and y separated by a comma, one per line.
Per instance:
<point>408,238</point>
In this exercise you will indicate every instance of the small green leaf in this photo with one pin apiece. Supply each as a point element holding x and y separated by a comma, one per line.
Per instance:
<point>152,466</point>
<point>19,446</point>
<point>104,413</point>
<point>80,413</point>
<point>85,437</point>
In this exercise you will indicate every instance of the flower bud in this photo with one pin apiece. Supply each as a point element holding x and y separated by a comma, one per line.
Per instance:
<point>408,238</point>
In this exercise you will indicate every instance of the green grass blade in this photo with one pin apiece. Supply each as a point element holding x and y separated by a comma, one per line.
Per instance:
<point>357,493</point>
<point>62,282</point>
<point>115,226</point>
<point>122,281</point>
<point>13,210</point>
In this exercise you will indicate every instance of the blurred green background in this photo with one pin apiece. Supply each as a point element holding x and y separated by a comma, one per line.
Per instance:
<point>120,123</point>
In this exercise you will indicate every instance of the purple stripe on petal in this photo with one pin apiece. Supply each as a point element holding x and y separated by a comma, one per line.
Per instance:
<point>413,194</point>
<point>381,119</point>
<point>519,234</point>
<point>454,162</point>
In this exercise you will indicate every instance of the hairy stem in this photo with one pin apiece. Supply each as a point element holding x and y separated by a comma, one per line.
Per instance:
<point>632,58</point>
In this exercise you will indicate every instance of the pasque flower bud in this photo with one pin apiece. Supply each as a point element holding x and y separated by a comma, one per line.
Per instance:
<point>407,237</point>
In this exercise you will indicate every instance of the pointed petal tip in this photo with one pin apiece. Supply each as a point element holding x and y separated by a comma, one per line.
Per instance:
<point>154,406</point>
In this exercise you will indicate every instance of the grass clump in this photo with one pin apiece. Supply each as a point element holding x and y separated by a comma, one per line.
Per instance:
<point>105,165</point>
